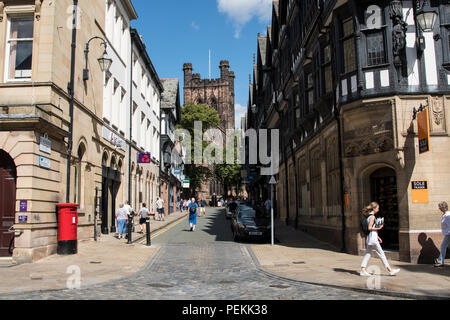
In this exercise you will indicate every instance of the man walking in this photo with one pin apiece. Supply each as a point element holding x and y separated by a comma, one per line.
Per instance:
<point>445,224</point>
<point>160,208</point>
<point>192,209</point>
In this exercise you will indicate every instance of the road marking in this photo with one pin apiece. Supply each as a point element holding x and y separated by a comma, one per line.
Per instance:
<point>161,231</point>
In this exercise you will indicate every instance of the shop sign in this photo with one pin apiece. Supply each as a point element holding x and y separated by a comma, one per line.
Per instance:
<point>420,192</point>
<point>424,131</point>
<point>23,205</point>
<point>44,162</point>
<point>45,144</point>
<point>144,158</point>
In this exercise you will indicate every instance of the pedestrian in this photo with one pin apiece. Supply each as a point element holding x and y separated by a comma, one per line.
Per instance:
<point>373,241</point>
<point>143,215</point>
<point>122,219</point>
<point>445,225</point>
<point>193,208</point>
<point>128,207</point>
<point>268,205</point>
<point>203,207</point>
<point>160,209</point>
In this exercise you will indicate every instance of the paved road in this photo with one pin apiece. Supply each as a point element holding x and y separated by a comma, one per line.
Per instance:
<point>202,265</point>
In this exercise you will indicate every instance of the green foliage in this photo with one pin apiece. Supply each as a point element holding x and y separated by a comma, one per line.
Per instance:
<point>191,113</point>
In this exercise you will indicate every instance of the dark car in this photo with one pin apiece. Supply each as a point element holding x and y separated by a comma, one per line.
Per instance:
<point>249,223</point>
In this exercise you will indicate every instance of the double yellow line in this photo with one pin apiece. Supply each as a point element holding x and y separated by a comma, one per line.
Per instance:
<point>161,231</point>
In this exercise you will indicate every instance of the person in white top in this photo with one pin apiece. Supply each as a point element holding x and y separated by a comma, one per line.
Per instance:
<point>373,241</point>
<point>160,208</point>
<point>445,225</point>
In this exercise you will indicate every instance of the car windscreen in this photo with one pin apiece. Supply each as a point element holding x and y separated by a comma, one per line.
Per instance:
<point>247,213</point>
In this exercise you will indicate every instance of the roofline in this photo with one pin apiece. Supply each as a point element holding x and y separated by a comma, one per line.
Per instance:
<point>130,9</point>
<point>148,62</point>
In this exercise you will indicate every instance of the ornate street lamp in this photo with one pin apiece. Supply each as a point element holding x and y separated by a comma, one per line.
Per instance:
<point>104,61</point>
<point>426,17</point>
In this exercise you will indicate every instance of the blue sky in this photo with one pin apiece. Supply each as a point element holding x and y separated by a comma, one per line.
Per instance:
<point>179,31</point>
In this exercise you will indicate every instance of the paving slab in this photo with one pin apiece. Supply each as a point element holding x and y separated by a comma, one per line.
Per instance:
<point>300,257</point>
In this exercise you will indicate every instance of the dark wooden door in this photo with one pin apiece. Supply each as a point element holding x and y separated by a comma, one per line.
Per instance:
<point>384,191</point>
<point>7,209</point>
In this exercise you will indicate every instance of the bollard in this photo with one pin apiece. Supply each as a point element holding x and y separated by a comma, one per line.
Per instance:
<point>147,227</point>
<point>130,227</point>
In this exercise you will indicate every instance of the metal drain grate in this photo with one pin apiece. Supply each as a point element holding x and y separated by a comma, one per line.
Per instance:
<point>160,285</point>
<point>279,286</point>
<point>298,262</point>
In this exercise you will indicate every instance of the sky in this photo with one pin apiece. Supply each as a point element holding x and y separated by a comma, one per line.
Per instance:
<point>180,31</point>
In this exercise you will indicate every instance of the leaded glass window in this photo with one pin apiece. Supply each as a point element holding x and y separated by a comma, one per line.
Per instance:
<point>375,49</point>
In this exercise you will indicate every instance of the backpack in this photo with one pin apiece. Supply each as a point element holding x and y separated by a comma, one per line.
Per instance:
<point>192,209</point>
<point>365,226</point>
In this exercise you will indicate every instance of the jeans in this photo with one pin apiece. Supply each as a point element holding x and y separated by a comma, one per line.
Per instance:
<point>379,251</point>
<point>444,246</point>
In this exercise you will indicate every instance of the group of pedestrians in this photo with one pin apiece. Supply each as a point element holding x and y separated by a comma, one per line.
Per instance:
<point>373,241</point>
<point>125,214</point>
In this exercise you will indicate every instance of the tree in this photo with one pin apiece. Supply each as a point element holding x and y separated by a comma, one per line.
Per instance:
<point>229,174</point>
<point>191,113</point>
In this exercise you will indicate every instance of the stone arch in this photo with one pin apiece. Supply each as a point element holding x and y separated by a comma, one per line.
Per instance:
<point>105,158</point>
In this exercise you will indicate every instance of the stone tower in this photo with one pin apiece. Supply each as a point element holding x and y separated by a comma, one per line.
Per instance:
<point>217,93</point>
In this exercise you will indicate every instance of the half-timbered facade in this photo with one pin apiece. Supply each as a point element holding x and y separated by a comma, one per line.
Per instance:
<point>342,80</point>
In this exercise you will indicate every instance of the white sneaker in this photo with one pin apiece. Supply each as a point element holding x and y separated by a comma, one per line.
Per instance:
<point>365,274</point>
<point>394,272</point>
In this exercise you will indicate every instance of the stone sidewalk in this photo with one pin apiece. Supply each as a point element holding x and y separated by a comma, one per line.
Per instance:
<point>299,257</point>
<point>106,260</point>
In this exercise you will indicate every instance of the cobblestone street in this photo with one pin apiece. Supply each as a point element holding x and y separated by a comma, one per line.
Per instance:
<point>201,265</point>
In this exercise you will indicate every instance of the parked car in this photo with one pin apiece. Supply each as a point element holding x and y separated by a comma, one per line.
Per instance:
<point>231,208</point>
<point>249,223</point>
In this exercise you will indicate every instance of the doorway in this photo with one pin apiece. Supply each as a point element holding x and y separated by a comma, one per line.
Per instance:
<point>384,191</point>
<point>8,178</point>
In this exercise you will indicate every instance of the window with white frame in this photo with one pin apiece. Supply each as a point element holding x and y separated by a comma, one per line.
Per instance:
<point>19,47</point>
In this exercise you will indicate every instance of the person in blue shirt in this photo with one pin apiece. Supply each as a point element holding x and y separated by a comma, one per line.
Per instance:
<point>192,209</point>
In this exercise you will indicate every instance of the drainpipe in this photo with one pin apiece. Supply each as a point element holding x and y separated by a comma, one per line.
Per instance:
<point>342,178</point>
<point>132,34</point>
<point>70,89</point>
<point>296,185</point>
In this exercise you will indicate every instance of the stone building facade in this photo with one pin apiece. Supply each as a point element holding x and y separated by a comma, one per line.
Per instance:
<point>219,95</point>
<point>34,121</point>
<point>341,80</point>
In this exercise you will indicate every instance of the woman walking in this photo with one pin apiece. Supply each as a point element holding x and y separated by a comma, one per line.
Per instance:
<point>445,224</point>
<point>193,208</point>
<point>122,219</point>
<point>143,215</point>
<point>373,241</point>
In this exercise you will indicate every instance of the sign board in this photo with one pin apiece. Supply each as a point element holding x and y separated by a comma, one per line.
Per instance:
<point>23,205</point>
<point>45,145</point>
<point>273,181</point>
<point>420,192</point>
<point>113,138</point>
<point>186,183</point>
<point>177,171</point>
<point>423,124</point>
<point>23,219</point>
<point>44,162</point>
<point>144,158</point>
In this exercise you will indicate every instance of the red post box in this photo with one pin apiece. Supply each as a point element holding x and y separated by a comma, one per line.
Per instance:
<point>67,228</point>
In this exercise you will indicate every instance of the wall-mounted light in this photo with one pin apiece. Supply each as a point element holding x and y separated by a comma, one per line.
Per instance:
<point>254,109</point>
<point>426,17</point>
<point>104,61</point>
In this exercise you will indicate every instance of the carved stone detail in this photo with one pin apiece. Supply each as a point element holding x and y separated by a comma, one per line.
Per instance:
<point>38,4</point>
<point>438,115</point>
<point>2,6</point>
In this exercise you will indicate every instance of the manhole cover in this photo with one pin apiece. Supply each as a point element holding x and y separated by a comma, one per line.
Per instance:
<point>279,286</point>
<point>160,285</point>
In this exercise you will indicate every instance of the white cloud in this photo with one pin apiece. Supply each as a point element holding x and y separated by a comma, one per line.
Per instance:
<point>239,112</point>
<point>195,26</point>
<point>242,11</point>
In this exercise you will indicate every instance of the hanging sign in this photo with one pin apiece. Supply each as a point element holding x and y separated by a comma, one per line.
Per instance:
<point>420,192</point>
<point>144,158</point>
<point>424,131</point>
